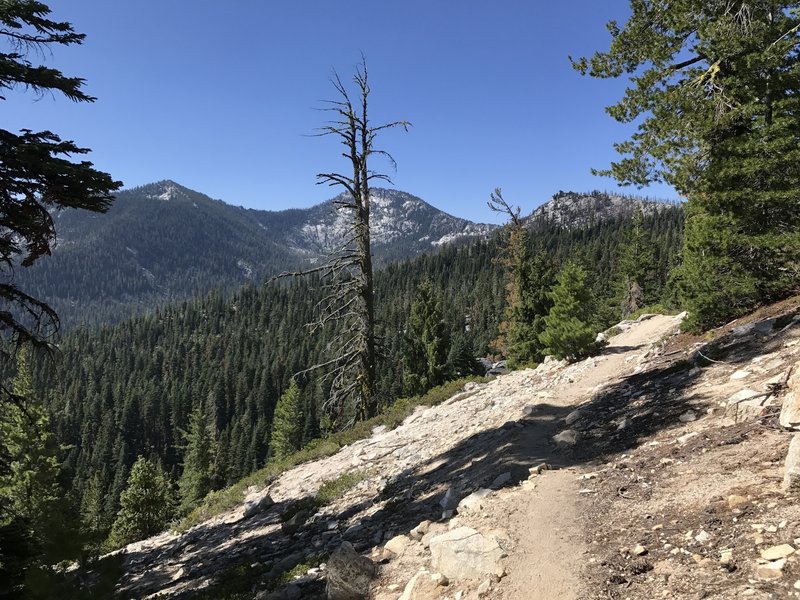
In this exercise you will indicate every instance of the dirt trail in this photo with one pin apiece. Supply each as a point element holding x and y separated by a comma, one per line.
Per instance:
<point>546,523</point>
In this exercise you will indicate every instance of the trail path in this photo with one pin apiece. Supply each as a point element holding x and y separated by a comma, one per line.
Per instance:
<point>546,523</point>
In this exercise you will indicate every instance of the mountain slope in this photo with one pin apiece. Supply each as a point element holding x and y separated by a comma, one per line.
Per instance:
<point>164,242</point>
<point>579,209</point>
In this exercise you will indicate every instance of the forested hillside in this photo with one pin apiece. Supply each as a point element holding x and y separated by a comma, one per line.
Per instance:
<point>163,242</point>
<point>128,390</point>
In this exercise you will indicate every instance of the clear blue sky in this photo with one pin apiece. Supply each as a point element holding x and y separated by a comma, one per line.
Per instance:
<point>221,96</point>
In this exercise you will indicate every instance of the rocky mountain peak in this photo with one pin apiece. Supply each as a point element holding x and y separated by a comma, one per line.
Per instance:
<point>580,209</point>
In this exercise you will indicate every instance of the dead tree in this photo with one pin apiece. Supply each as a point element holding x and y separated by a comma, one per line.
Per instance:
<point>349,301</point>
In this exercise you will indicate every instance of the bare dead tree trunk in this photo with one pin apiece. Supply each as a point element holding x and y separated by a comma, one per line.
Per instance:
<point>349,302</point>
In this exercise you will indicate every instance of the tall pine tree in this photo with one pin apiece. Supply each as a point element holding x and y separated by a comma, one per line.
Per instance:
<point>426,343</point>
<point>287,424</point>
<point>568,329</point>
<point>717,100</point>
<point>198,461</point>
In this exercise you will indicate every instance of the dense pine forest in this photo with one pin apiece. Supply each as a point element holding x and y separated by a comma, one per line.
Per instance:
<point>124,391</point>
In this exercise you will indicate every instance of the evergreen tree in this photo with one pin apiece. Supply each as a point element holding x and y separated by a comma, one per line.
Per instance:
<point>426,343</point>
<point>287,423</point>
<point>146,505</point>
<point>461,358</point>
<point>568,329</point>
<point>717,88</point>
<point>528,280</point>
<point>29,488</point>
<point>635,267</point>
<point>36,177</point>
<point>198,461</point>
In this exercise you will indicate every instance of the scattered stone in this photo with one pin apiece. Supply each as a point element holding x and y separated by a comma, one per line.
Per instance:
<point>293,525</point>
<point>791,468</point>
<point>688,417</point>
<point>450,499</point>
<point>256,502</point>
<point>528,409</point>
<point>539,469</point>
<point>735,501</point>
<point>420,587</point>
<point>474,501</point>
<point>485,587</point>
<point>420,530</point>
<point>397,545</point>
<point>573,417</point>
<point>777,552</point>
<point>687,437</point>
<point>638,550</point>
<point>348,574</point>
<point>500,480</point>
<point>771,570</point>
<point>703,537</point>
<point>568,437</point>
<point>463,553</point>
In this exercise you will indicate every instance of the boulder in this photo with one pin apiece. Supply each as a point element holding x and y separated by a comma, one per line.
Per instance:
<point>256,502</point>
<point>500,480</point>
<point>463,553</point>
<point>746,405</point>
<point>349,574</point>
<point>573,417</point>
<point>791,468</point>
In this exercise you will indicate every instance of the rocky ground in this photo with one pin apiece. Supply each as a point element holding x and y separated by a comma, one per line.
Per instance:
<point>653,470</point>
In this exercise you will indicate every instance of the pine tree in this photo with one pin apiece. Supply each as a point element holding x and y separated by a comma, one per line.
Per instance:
<point>146,505</point>
<point>635,267</point>
<point>287,423</point>
<point>426,343</point>
<point>198,460</point>
<point>568,329</point>
<point>717,100</point>
<point>29,488</point>
<point>528,280</point>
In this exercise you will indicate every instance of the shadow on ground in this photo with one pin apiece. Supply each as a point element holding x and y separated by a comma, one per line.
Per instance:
<point>617,418</point>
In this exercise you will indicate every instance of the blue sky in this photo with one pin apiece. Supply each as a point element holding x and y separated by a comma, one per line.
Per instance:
<point>222,96</point>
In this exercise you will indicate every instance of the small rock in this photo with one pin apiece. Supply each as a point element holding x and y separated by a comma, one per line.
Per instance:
<point>687,437</point>
<point>420,530</point>
<point>568,437</point>
<point>474,501</point>
<point>777,552</point>
<point>420,587</point>
<point>638,550</point>
<point>500,480</point>
<point>573,417</point>
<point>397,545</point>
<point>348,574</point>
<point>688,417</point>
<point>771,570</point>
<point>539,469</point>
<point>735,501</point>
<point>450,499</point>
<point>256,502</point>
<point>485,587</point>
<point>703,537</point>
